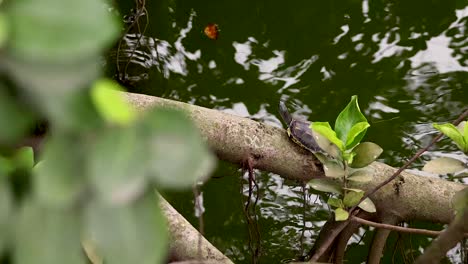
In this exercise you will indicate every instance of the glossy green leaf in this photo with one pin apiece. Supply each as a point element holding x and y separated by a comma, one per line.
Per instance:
<point>333,168</point>
<point>361,175</point>
<point>110,103</point>
<point>24,158</point>
<point>460,201</point>
<point>321,157</point>
<point>462,128</point>
<point>347,119</point>
<point>6,212</point>
<point>444,165</point>
<point>366,153</point>
<point>341,214</point>
<point>335,202</point>
<point>133,233</point>
<point>119,163</point>
<point>352,198</point>
<point>356,133</point>
<point>325,130</point>
<point>368,206</point>
<point>453,133</point>
<point>325,144</point>
<point>46,236</point>
<point>326,185</point>
<point>58,179</point>
<point>465,130</point>
<point>3,29</point>
<point>64,32</point>
<point>179,157</point>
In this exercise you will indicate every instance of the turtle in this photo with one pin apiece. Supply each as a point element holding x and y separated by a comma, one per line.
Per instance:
<point>299,131</point>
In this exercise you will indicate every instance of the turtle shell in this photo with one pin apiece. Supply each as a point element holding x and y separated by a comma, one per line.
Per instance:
<point>299,131</point>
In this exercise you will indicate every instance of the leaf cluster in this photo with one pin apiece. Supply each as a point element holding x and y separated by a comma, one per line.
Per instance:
<point>449,165</point>
<point>93,186</point>
<point>345,160</point>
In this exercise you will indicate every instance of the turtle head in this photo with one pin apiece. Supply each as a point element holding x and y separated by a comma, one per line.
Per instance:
<point>283,110</point>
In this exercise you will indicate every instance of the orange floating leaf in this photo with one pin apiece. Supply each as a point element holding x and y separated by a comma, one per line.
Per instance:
<point>212,31</point>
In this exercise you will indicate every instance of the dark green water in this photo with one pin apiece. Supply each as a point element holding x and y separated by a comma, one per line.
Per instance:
<point>406,60</point>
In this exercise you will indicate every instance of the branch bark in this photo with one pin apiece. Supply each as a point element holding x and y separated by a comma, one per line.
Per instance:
<point>235,139</point>
<point>447,240</point>
<point>380,240</point>
<point>184,239</point>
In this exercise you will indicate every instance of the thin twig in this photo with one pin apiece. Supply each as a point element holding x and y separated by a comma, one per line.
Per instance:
<point>418,231</point>
<point>409,162</point>
<point>333,235</point>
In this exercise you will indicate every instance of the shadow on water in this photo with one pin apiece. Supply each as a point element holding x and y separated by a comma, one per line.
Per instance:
<point>406,60</point>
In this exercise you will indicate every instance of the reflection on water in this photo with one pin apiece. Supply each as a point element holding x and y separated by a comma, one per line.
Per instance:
<point>407,61</point>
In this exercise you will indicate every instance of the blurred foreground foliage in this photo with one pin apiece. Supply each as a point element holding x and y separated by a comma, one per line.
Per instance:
<point>93,185</point>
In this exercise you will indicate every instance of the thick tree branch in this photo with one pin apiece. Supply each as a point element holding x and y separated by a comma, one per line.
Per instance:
<point>184,239</point>
<point>379,240</point>
<point>343,240</point>
<point>235,139</point>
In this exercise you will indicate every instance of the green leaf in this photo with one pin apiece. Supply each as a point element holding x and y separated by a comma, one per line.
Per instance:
<point>64,57</point>
<point>326,185</point>
<point>352,189</point>
<point>356,133</point>
<point>133,233</point>
<point>461,127</point>
<point>325,144</point>
<point>333,168</point>
<point>321,157</point>
<point>47,236</point>
<point>366,153</point>
<point>335,202</point>
<point>325,130</point>
<point>6,212</point>
<point>464,125</point>
<point>119,163</point>
<point>110,103</point>
<point>368,206</point>
<point>444,165</point>
<point>14,119</point>
<point>347,119</point>
<point>3,29</point>
<point>341,214</point>
<point>352,198</point>
<point>24,158</point>
<point>64,32</point>
<point>452,132</point>
<point>179,157</point>
<point>361,175</point>
<point>6,166</point>
<point>58,178</point>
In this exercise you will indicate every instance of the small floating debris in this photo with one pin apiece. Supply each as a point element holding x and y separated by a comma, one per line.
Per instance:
<point>212,31</point>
